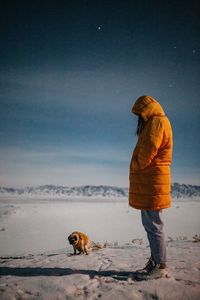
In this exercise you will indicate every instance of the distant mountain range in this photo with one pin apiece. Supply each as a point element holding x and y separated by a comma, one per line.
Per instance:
<point>178,191</point>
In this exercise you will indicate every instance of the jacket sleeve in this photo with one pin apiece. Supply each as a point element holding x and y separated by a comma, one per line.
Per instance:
<point>149,145</point>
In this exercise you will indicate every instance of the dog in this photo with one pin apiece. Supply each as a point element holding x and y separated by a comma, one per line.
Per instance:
<point>80,242</point>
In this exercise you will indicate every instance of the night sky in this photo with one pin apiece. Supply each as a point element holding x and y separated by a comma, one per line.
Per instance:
<point>70,72</point>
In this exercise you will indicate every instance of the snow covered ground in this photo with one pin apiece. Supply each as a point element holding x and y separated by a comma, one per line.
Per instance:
<point>103,274</point>
<point>34,225</point>
<point>35,260</point>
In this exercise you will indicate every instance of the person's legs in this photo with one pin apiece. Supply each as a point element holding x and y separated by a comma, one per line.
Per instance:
<point>153,224</point>
<point>156,266</point>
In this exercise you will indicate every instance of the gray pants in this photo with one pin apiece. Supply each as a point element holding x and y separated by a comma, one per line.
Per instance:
<point>153,224</point>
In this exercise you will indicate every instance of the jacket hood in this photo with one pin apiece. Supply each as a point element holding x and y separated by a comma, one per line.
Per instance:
<point>146,106</point>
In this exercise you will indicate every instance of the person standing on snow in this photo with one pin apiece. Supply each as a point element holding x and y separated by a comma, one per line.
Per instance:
<point>149,179</point>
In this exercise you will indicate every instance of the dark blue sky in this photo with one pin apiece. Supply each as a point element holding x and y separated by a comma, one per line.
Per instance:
<point>70,73</point>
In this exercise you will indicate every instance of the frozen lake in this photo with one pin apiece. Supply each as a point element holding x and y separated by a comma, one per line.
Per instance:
<point>34,226</point>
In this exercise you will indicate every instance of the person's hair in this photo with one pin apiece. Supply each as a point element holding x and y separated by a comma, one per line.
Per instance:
<point>140,125</point>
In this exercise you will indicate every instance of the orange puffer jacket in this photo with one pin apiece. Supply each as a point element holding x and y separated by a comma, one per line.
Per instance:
<point>149,187</point>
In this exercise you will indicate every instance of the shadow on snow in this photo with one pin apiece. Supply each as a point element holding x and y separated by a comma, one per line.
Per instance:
<point>38,271</point>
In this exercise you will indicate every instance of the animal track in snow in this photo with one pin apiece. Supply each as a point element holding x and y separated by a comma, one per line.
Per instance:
<point>105,263</point>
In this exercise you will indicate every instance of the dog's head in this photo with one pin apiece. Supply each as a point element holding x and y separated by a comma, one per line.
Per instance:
<point>73,238</point>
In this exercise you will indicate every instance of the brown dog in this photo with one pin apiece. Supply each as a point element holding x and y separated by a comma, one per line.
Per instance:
<point>80,242</point>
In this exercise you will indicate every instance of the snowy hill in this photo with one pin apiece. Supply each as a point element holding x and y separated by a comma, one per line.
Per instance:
<point>179,191</point>
<point>64,191</point>
<point>185,191</point>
